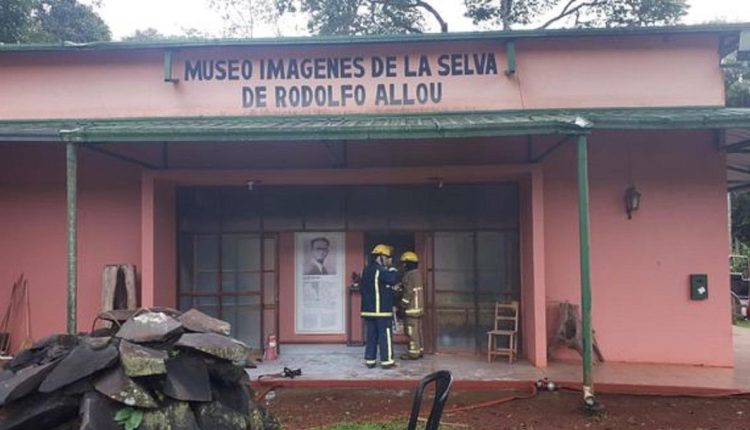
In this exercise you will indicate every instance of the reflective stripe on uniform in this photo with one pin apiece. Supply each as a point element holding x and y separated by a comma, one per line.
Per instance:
<point>390,345</point>
<point>377,291</point>
<point>376,314</point>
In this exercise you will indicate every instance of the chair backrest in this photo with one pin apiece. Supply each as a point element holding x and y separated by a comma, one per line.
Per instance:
<point>443,381</point>
<point>506,315</point>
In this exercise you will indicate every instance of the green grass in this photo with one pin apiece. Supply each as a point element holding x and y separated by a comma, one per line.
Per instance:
<point>743,323</point>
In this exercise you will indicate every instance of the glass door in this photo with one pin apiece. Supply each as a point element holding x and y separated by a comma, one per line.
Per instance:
<point>231,276</point>
<point>469,272</point>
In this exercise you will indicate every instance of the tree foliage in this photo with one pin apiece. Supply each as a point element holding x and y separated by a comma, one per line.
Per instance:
<point>741,217</point>
<point>242,18</point>
<point>153,35</point>
<point>49,21</point>
<point>579,13</point>
<point>356,17</point>
<point>15,20</point>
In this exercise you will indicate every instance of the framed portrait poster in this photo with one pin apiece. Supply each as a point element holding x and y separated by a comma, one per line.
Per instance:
<point>319,283</point>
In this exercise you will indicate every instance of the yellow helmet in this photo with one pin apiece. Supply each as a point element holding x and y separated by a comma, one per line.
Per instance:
<point>382,250</point>
<point>410,257</point>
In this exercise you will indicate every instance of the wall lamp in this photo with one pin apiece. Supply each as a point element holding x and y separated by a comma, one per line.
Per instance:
<point>632,201</point>
<point>252,183</point>
<point>436,180</point>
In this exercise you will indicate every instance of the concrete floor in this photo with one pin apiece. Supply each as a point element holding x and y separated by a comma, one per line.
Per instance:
<point>330,365</point>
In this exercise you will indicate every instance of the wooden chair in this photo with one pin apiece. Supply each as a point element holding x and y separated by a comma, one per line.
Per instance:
<point>506,327</point>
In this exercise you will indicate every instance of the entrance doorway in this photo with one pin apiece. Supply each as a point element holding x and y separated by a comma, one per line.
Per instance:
<point>401,242</point>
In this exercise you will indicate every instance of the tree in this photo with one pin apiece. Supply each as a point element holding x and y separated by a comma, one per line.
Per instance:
<point>579,13</point>
<point>153,35</point>
<point>329,17</point>
<point>741,217</point>
<point>356,17</point>
<point>15,20</point>
<point>242,18</point>
<point>68,20</point>
<point>49,21</point>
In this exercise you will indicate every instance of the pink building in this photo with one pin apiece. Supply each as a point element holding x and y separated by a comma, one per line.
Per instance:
<point>213,167</point>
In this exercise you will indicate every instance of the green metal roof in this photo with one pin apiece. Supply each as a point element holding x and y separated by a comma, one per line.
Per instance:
<point>726,29</point>
<point>366,127</point>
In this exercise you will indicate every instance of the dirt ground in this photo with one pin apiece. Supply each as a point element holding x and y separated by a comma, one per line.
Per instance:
<point>309,408</point>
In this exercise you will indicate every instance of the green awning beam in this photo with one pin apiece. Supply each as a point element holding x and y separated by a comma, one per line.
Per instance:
<point>71,157</point>
<point>584,245</point>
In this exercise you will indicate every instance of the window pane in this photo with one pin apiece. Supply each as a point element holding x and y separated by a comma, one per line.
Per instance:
<point>248,281</point>
<point>455,206</point>
<point>282,208</point>
<point>208,305</point>
<point>229,281</point>
<point>269,254</point>
<point>243,313</point>
<point>454,251</point>
<point>456,329</point>
<point>411,207</point>
<point>186,302</point>
<point>207,282</point>
<point>228,252</point>
<point>323,208</point>
<point>454,280</point>
<point>248,252</point>
<point>186,262</point>
<point>207,252</point>
<point>269,287</point>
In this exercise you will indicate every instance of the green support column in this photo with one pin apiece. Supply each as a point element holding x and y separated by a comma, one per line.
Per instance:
<point>583,221</point>
<point>72,185</point>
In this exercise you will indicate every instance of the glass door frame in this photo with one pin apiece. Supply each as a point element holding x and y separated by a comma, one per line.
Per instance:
<point>430,323</point>
<point>264,304</point>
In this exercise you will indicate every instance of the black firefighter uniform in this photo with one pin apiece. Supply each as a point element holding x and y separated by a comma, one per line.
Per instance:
<point>413,302</point>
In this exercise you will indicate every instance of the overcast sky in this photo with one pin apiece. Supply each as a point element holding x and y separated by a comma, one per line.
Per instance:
<point>173,16</point>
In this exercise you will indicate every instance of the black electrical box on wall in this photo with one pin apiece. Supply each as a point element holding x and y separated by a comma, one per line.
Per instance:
<point>698,287</point>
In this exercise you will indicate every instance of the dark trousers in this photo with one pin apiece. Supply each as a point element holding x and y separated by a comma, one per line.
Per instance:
<point>379,335</point>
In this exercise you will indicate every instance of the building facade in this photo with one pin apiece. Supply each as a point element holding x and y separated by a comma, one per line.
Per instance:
<point>249,179</point>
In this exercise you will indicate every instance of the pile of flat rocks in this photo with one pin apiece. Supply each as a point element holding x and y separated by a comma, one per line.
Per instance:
<point>174,370</point>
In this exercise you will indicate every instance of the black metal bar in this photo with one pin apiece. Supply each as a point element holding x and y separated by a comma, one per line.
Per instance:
<point>120,157</point>
<point>739,169</point>
<point>551,149</point>
<point>744,186</point>
<point>737,145</point>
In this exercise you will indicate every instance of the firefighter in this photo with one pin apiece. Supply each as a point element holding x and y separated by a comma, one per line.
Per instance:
<point>413,303</point>
<point>377,288</point>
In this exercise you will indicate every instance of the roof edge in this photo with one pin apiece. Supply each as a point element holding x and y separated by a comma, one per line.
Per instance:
<point>728,29</point>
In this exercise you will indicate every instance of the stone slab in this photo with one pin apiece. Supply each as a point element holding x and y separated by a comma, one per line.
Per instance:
<point>196,321</point>
<point>139,360</point>
<point>116,385</point>
<point>187,379</point>
<point>149,327</point>
<point>81,362</point>
<point>215,344</point>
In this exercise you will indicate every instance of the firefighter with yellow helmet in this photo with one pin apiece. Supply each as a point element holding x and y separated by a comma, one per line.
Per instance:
<point>413,303</point>
<point>378,283</point>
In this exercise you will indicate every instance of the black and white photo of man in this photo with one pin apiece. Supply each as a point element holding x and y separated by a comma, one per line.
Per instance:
<point>319,249</point>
